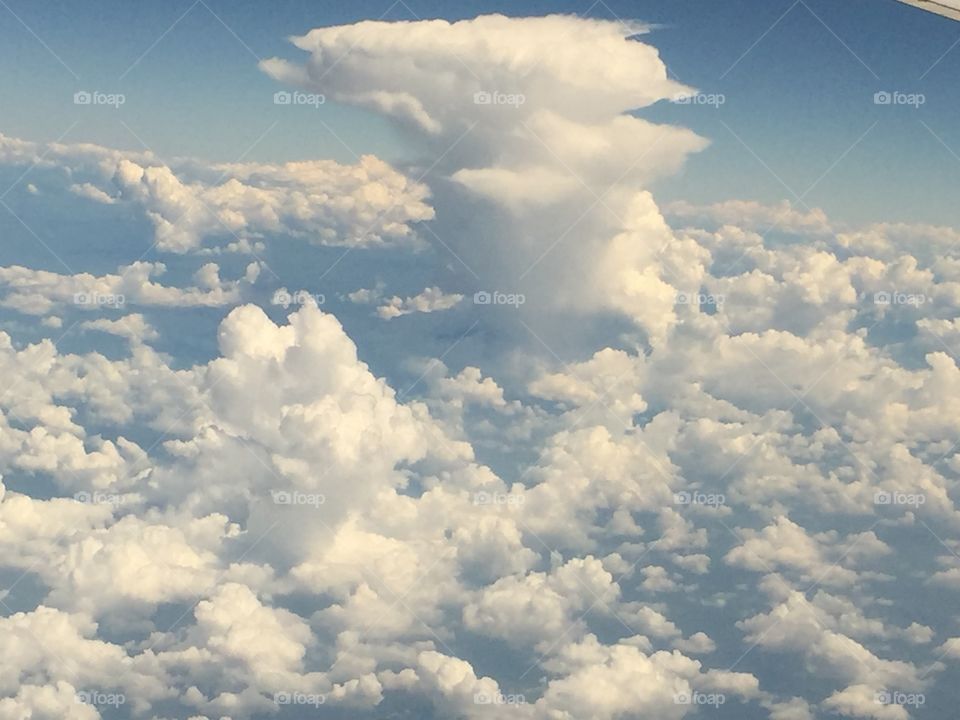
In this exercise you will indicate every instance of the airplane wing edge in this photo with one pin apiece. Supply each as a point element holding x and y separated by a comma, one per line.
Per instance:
<point>950,10</point>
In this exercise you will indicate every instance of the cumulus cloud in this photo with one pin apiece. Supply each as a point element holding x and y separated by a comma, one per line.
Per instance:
<point>432,299</point>
<point>595,681</point>
<point>816,631</point>
<point>215,535</point>
<point>132,327</point>
<point>325,483</point>
<point>539,608</point>
<point>38,292</point>
<point>784,545</point>
<point>751,215</point>
<point>320,201</point>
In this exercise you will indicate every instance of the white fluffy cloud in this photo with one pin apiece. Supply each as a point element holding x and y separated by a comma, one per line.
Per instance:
<point>271,521</point>
<point>539,607</point>
<point>321,201</point>
<point>554,148</point>
<point>133,327</point>
<point>432,299</point>
<point>38,292</point>
<point>786,546</point>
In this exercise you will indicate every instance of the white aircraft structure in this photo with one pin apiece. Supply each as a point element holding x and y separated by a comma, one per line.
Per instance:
<point>947,8</point>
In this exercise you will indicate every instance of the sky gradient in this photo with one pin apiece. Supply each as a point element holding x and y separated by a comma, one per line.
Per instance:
<point>798,79</point>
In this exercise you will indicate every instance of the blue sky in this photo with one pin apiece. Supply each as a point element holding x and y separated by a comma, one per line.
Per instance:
<point>546,408</point>
<point>800,99</point>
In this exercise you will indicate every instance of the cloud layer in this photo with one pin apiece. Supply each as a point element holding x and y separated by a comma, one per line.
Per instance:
<point>730,490</point>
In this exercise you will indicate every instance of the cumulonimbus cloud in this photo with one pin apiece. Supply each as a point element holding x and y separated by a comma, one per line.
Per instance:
<point>534,117</point>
